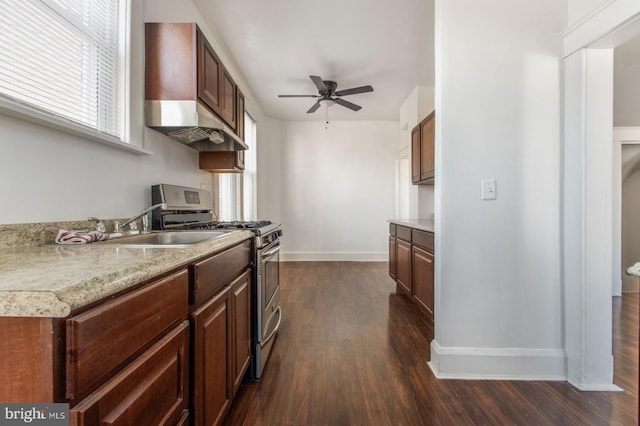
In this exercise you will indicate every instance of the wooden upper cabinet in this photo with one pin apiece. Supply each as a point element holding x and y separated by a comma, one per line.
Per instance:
<point>228,99</point>
<point>239,113</point>
<point>210,71</point>
<point>170,58</point>
<point>415,154</point>
<point>181,65</point>
<point>423,151</point>
<point>221,161</point>
<point>427,148</point>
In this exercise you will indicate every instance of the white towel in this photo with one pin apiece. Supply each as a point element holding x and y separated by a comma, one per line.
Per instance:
<point>80,237</point>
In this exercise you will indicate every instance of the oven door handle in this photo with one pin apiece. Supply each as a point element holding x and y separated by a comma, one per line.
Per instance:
<point>275,330</point>
<point>270,252</point>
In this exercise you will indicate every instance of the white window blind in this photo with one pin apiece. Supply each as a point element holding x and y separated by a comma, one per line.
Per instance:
<point>249,175</point>
<point>228,196</point>
<point>65,58</point>
<point>236,191</point>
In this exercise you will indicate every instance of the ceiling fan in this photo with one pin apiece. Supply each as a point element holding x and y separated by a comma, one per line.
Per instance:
<point>327,92</point>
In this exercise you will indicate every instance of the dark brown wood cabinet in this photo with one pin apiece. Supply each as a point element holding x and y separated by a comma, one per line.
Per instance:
<point>423,151</point>
<point>212,389</point>
<point>134,320</point>
<point>423,278</point>
<point>403,266</point>
<point>239,113</point>
<point>153,389</point>
<point>209,74</point>
<point>228,99</point>
<point>241,304</point>
<point>411,265</point>
<point>180,64</point>
<point>221,321</point>
<point>221,161</point>
<point>170,351</point>
<point>392,257</point>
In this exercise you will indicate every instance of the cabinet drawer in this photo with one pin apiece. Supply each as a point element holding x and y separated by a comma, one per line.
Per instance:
<point>210,275</point>
<point>392,229</point>
<point>422,239</point>
<point>99,341</point>
<point>152,390</point>
<point>403,233</point>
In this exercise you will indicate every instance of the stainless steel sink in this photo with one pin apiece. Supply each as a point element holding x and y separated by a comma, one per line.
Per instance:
<point>166,238</point>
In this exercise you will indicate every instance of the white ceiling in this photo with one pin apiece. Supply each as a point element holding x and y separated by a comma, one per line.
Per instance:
<point>278,44</point>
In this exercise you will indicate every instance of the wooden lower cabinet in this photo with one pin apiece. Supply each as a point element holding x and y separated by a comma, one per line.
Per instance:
<point>241,303</point>
<point>172,351</point>
<point>392,257</point>
<point>403,266</point>
<point>423,278</point>
<point>212,387</point>
<point>222,349</point>
<point>153,389</point>
<point>411,258</point>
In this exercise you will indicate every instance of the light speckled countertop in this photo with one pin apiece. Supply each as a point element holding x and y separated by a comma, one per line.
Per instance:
<point>53,280</point>
<point>422,224</point>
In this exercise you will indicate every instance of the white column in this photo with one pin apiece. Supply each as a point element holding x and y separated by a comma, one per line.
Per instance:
<point>587,218</point>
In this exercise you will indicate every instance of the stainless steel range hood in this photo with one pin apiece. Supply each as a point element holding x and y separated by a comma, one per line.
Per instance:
<point>192,124</point>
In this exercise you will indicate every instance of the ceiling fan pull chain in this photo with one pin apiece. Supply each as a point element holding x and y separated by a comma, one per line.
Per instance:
<point>326,126</point>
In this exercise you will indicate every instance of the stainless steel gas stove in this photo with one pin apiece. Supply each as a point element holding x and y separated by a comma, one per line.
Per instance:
<point>190,208</point>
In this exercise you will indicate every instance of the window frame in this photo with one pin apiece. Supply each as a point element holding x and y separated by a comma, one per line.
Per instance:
<point>33,114</point>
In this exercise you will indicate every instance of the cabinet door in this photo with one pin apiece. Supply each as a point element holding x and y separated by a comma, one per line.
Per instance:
<point>423,278</point>
<point>212,362</point>
<point>228,101</point>
<point>210,72</point>
<point>239,114</point>
<point>100,340</point>
<point>392,257</point>
<point>153,389</point>
<point>415,154</point>
<point>427,148</point>
<point>241,294</point>
<point>403,265</point>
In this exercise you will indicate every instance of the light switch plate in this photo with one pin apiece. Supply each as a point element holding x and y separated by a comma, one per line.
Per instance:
<point>488,189</point>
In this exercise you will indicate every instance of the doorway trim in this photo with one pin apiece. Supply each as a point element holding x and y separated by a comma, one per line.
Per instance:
<point>587,195</point>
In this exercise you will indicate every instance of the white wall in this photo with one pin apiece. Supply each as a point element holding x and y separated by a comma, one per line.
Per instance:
<point>498,290</point>
<point>270,168</point>
<point>337,189</point>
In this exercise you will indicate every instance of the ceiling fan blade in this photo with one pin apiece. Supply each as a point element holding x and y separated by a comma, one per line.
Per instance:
<point>347,104</point>
<point>314,107</point>
<point>299,96</point>
<point>319,83</point>
<point>353,91</point>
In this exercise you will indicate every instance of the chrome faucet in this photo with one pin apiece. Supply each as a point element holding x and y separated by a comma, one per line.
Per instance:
<point>99,224</point>
<point>118,227</point>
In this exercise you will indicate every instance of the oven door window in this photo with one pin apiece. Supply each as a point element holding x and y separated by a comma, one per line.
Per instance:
<point>271,274</point>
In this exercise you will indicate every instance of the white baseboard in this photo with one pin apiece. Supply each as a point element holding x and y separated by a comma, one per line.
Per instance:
<point>307,256</point>
<point>497,363</point>
<point>601,387</point>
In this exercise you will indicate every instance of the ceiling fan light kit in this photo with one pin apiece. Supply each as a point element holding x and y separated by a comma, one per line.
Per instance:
<point>327,93</point>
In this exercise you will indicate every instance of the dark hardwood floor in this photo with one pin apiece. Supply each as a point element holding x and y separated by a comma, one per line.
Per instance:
<point>352,352</point>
